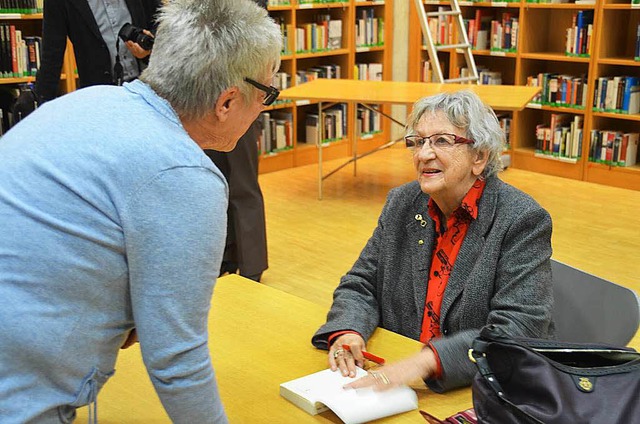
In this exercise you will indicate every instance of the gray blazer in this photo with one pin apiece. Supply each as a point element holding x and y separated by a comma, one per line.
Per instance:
<point>502,276</point>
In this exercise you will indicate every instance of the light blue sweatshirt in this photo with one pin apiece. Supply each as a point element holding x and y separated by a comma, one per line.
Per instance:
<point>111,217</point>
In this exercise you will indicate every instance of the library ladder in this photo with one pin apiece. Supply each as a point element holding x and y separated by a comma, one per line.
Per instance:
<point>462,44</point>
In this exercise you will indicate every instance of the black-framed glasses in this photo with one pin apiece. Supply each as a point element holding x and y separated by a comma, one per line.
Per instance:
<point>439,141</point>
<point>271,93</point>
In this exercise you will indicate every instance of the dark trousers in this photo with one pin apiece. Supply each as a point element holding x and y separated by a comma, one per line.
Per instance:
<point>246,247</point>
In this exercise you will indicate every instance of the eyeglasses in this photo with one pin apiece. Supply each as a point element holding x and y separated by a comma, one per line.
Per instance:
<point>442,141</point>
<point>271,93</point>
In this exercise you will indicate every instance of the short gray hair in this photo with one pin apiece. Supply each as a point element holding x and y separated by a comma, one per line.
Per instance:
<point>465,110</point>
<point>203,47</point>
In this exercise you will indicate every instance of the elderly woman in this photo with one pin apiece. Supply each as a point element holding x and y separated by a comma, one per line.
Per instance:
<point>112,218</point>
<point>454,251</point>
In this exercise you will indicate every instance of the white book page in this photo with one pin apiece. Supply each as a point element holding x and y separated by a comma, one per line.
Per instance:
<point>352,406</point>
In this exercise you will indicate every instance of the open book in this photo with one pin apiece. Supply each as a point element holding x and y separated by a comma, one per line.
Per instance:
<point>323,390</point>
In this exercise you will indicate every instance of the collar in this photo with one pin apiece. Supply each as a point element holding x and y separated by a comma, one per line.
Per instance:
<point>468,208</point>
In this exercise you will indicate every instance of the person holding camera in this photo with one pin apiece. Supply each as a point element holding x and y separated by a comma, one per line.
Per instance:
<point>93,27</point>
<point>112,218</point>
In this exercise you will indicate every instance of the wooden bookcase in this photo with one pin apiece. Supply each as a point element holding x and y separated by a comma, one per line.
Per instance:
<point>31,25</point>
<point>541,48</point>
<point>298,13</point>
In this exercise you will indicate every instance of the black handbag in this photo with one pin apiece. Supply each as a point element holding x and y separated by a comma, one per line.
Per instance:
<point>523,380</point>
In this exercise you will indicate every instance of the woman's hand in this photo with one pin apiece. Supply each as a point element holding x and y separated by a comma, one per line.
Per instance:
<point>405,372</point>
<point>344,360</point>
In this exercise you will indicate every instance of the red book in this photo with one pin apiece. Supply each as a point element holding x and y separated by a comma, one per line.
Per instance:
<point>14,54</point>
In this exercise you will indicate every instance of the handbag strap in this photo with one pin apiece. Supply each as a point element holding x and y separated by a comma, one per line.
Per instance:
<point>478,355</point>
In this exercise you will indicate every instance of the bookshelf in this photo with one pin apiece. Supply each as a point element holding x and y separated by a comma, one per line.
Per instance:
<point>21,43</point>
<point>543,51</point>
<point>366,35</point>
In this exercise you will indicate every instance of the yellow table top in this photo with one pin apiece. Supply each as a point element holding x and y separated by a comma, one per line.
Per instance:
<point>259,338</point>
<point>499,97</point>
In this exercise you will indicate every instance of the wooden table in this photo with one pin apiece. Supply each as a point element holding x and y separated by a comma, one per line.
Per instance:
<point>499,97</point>
<point>259,338</point>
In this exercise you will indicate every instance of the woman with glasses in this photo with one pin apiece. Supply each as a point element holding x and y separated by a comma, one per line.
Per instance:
<point>454,251</point>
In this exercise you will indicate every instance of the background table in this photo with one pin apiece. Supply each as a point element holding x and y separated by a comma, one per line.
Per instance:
<point>259,338</point>
<point>499,97</point>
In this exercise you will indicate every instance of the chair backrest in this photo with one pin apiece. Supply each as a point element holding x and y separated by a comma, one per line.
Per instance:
<point>592,310</point>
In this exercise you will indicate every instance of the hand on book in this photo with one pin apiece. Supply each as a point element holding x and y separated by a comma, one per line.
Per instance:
<point>344,360</point>
<point>404,372</point>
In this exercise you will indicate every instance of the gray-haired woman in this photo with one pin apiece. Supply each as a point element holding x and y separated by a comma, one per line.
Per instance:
<point>454,251</point>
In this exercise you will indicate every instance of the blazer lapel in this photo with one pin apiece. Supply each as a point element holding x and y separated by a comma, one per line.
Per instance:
<point>87,15</point>
<point>471,248</point>
<point>421,240</point>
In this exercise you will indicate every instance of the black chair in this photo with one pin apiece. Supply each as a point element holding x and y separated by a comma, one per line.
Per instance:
<point>590,309</point>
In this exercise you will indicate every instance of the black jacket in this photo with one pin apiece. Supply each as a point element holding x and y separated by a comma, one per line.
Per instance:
<point>74,19</point>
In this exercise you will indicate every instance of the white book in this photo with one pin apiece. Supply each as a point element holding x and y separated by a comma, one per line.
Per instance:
<point>315,393</point>
<point>335,34</point>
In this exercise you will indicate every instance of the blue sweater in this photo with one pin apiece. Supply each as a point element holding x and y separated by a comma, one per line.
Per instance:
<point>111,217</point>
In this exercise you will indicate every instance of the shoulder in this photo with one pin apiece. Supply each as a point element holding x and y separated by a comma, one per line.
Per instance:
<point>511,198</point>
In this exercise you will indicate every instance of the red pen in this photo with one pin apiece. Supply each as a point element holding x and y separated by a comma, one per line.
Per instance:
<point>367,355</point>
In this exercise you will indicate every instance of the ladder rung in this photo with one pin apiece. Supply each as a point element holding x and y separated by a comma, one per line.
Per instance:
<point>444,13</point>
<point>461,79</point>
<point>453,46</point>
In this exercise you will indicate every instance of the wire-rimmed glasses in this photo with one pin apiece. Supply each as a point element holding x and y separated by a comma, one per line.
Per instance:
<point>438,141</point>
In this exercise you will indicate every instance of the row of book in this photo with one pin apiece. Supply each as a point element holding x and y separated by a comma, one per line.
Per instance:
<point>323,71</point>
<point>504,34</point>
<point>427,74</point>
<point>369,28</point>
<point>614,148</point>
<point>560,90</point>
<point>579,35</point>
<point>325,34</point>
<point>277,132</point>
<point>486,32</point>
<point>287,32</point>
<point>505,124</point>
<point>562,138</point>
<point>21,6</point>
<point>334,121</point>
<point>19,55</point>
<point>485,76</point>
<point>441,28</point>
<point>369,122</point>
<point>619,94</point>
<point>368,71</point>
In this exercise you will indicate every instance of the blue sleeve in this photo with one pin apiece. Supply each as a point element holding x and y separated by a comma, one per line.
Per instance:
<point>175,230</point>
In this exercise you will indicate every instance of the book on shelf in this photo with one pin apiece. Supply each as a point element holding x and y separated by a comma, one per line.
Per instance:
<point>579,35</point>
<point>277,131</point>
<point>323,390</point>
<point>614,148</point>
<point>617,94</point>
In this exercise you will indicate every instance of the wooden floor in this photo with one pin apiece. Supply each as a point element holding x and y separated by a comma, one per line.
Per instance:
<point>312,242</point>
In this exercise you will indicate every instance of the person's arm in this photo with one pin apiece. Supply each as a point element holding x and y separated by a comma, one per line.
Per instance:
<point>54,43</point>
<point>175,231</point>
<point>355,303</point>
<point>523,299</point>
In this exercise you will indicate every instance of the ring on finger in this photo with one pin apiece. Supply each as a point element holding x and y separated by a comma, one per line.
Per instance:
<point>337,353</point>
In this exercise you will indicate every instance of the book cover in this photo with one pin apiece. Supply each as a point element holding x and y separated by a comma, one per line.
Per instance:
<point>315,393</point>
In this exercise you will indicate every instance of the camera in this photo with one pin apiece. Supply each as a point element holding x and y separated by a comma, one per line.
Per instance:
<point>130,32</point>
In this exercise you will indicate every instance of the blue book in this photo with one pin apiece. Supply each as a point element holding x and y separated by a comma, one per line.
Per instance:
<point>630,86</point>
